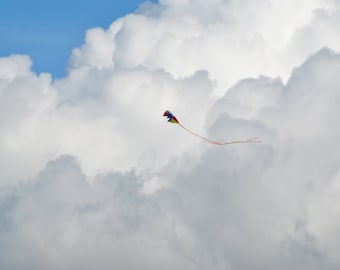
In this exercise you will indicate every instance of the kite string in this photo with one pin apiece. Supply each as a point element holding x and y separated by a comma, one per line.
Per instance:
<point>253,139</point>
<point>193,133</point>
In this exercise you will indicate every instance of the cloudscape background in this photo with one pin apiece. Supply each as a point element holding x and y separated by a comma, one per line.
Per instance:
<point>92,177</point>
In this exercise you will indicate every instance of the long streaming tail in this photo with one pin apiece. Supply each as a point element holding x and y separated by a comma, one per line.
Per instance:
<point>250,140</point>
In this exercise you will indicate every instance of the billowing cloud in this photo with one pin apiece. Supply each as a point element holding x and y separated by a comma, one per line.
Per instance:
<point>93,178</point>
<point>230,39</point>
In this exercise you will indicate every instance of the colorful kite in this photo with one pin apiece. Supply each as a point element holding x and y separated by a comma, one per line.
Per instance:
<point>173,119</point>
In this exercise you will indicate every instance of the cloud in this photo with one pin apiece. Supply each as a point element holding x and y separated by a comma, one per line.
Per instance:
<point>215,208</point>
<point>92,176</point>
<point>60,221</point>
<point>110,108</point>
<point>230,39</point>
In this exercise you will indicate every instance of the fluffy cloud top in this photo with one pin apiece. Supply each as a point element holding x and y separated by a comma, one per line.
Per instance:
<point>93,178</point>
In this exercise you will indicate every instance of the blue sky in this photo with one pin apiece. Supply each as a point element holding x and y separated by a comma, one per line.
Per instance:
<point>48,30</point>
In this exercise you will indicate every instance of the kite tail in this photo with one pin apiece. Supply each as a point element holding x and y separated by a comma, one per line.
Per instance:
<point>253,139</point>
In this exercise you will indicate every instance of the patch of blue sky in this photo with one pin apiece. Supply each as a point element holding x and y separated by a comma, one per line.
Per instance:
<point>48,30</point>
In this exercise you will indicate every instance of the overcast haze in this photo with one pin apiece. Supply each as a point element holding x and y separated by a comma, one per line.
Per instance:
<point>93,177</point>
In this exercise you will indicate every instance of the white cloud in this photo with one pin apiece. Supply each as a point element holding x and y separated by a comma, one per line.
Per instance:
<point>92,177</point>
<point>109,119</point>
<point>231,39</point>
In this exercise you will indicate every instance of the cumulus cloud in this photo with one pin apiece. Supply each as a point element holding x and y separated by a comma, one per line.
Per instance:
<point>93,178</point>
<point>231,39</point>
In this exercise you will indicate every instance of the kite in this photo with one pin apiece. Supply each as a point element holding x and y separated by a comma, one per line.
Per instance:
<point>174,120</point>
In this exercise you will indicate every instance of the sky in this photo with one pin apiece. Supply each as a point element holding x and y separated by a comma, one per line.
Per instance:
<point>49,30</point>
<point>93,177</point>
